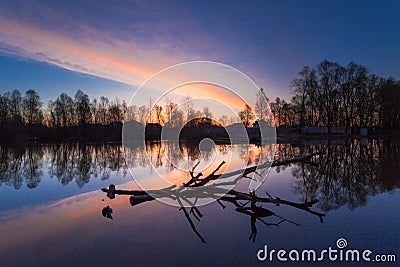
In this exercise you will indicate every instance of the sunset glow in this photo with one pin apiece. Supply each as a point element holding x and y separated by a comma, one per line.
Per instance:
<point>119,61</point>
<point>199,133</point>
<point>131,46</point>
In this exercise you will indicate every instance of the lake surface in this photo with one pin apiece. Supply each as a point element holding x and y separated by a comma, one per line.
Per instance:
<point>51,205</point>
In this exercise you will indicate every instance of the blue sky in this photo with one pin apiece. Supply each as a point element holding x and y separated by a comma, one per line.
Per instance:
<point>109,48</point>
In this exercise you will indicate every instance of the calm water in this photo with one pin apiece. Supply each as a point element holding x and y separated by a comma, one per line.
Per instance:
<point>51,203</point>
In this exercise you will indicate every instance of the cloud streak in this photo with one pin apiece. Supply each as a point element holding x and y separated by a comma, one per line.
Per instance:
<point>117,60</point>
<point>93,52</point>
<point>99,54</point>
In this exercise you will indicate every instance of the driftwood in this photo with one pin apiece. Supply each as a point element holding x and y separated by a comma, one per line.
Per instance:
<point>202,189</point>
<point>107,211</point>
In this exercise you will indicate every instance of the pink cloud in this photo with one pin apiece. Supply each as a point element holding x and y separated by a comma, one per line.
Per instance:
<point>116,60</point>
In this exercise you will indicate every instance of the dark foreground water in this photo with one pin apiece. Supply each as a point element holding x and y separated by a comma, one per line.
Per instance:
<point>51,208</point>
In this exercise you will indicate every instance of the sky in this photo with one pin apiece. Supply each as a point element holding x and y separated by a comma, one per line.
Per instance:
<point>111,47</point>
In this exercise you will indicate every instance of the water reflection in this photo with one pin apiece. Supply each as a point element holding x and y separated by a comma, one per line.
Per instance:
<point>80,162</point>
<point>245,203</point>
<point>18,163</point>
<point>346,175</point>
<point>169,154</point>
<point>343,175</point>
<point>67,162</point>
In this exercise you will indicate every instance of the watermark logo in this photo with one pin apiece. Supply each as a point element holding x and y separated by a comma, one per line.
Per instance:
<point>341,243</point>
<point>334,254</point>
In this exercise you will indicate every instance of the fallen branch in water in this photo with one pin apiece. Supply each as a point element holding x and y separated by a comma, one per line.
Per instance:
<point>196,182</point>
<point>200,188</point>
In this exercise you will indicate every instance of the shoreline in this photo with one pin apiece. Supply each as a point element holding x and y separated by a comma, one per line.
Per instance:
<point>292,138</point>
<point>113,134</point>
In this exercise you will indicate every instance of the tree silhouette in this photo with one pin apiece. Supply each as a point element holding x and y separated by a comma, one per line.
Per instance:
<point>328,95</point>
<point>82,106</point>
<point>15,105</point>
<point>31,107</point>
<point>333,95</point>
<point>261,106</point>
<point>247,116</point>
<point>304,86</point>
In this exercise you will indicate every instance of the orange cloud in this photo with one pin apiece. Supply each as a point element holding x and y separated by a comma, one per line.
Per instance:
<point>117,60</point>
<point>101,54</point>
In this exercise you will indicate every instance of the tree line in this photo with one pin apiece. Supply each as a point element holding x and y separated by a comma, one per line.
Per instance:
<point>344,96</point>
<point>174,114</point>
<point>15,109</point>
<point>65,111</point>
<point>327,95</point>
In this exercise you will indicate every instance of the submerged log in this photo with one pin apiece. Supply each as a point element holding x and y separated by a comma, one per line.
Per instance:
<point>137,199</point>
<point>200,188</point>
<point>107,211</point>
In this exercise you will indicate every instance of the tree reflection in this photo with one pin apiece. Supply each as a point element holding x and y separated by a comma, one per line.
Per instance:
<point>349,174</point>
<point>79,162</point>
<point>18,164</point>
<point>33,166</point>
<point>67,162</point>
<point>188,195</point>
<point>11,164</point>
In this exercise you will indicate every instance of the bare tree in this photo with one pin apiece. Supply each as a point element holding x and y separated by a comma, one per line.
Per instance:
<point>116,111</point>
<point>233,120</point>
<point>372,100</point>
<point>303,86</point>
<point>207,113</point>
<point>261,106</point>
<point>390,108</point>
<point>247,116</point>
<point>143,113</point>
<point>103,109</point>
<point>169,107</point>
<point>32,107</point>
<point>330,77</point>
<point>150,112</point>
<point>4,109</point>
<point>64,110</point>
<point>82,106</point>
<point>132,113</point>
<point>16,106</point>
<point>352,90</point>
<point>177,118</point>
<point>94,110</point>
<point>187,107</point>
<point>277,109</point>
<point>224,120</point>
<point>342,96</point>
<point>159,114</point>
<point>51,116</point>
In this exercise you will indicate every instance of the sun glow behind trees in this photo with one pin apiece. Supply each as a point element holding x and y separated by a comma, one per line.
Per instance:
<point>328,95</point>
